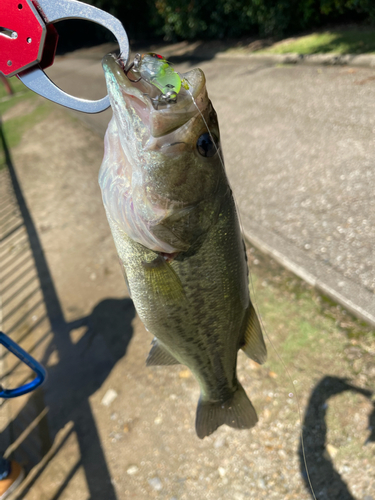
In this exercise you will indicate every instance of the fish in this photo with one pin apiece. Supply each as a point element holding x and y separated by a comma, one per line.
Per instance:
<point>176,229</point>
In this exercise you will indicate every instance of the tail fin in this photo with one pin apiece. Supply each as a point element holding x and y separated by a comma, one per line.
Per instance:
<point>237,412</point>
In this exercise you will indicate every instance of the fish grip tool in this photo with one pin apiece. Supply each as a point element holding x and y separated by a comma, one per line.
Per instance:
<point>28,360</point>
<point>28,41</point>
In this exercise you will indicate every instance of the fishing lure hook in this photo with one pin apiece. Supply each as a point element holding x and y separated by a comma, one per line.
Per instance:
<point>127,71</point>
<point>157,71</point>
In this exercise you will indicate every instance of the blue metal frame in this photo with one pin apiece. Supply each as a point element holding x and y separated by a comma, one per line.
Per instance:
<point>32,363</point>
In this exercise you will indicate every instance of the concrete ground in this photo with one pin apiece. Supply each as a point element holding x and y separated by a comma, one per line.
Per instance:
<point>105,426</point>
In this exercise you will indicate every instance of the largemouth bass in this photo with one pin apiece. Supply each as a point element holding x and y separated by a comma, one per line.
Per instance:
<point>176,230</point>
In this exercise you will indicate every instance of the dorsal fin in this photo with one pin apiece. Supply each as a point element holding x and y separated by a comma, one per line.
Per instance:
<point>253,342</point>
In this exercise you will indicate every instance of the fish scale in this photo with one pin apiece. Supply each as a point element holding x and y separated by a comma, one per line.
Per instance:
<point>193,297</point>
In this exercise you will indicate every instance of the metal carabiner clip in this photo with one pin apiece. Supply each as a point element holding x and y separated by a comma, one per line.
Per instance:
<point>39,15</point>
<point>32,363</point>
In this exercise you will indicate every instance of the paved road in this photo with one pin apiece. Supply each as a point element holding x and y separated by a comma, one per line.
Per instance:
<point>299,148</point>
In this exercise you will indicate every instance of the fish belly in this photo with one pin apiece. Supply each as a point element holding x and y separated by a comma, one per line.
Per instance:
<point>196,304</point>
<point>196,307</point>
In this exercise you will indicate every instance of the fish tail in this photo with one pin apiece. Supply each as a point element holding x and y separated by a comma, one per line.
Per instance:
<point>237,412</point>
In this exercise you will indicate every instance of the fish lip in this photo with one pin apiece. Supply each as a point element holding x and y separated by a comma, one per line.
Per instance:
<point>128,89</point>
<point>133,95</point>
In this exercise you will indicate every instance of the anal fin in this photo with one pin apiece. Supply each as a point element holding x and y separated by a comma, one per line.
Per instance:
<point>253,342</point>
<point>159,355</point>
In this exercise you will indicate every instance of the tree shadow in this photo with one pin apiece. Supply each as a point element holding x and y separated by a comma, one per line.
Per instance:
<point>193,52</point>
<point>346,41</point>
<point>85,351</point>
<point>325,480</point>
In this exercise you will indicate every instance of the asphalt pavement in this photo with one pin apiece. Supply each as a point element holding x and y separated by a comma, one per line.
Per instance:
<point>299,147</point>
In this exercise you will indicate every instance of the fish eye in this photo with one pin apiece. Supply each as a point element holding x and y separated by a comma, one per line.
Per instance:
<point>207,145</point>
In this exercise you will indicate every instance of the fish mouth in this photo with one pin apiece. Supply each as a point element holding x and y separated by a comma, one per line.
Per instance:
<point>151,162</point>
<point>141,97</point>
<point>134,93</point>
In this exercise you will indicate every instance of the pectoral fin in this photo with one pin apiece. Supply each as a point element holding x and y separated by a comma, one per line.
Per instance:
<point>253,342</point>
<point>160,356</point>
<point>163,281</point>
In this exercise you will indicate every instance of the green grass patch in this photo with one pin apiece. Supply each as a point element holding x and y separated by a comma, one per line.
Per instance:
<point>16,85</point>
<point>309,331</point>
<point>339,42</point>
<point>14,128</point>
<point>10,101</point>
<point>20,93</point>
<point>294,321</point>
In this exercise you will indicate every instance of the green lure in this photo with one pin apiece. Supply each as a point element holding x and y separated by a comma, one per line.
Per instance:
<point>156,70</point>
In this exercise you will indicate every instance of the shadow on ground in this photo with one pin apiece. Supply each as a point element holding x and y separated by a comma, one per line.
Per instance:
<point>85,351</point>
<point>325,480</point>
<point>348,42</point>
<point>184,52</point>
